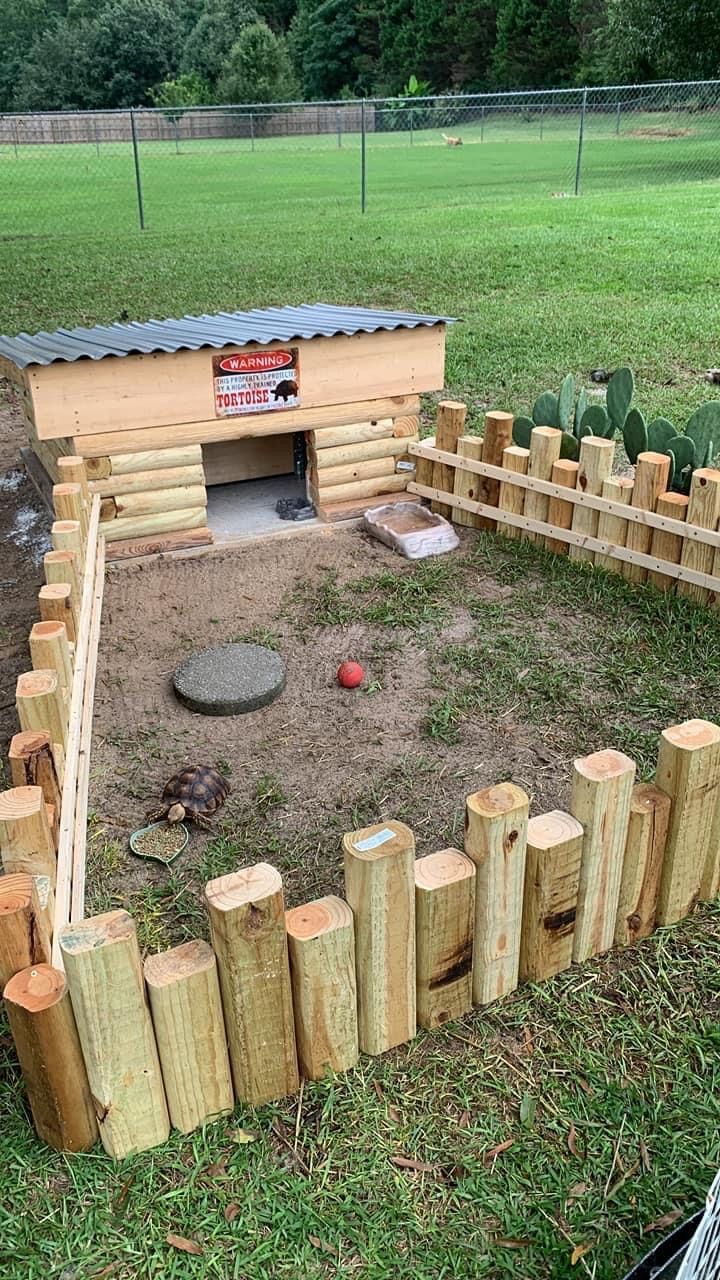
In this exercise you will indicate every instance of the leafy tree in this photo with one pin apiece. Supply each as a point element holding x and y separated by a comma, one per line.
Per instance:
<point>673,39</point>
<point>134,45</point>
<point>324,46</point>
<point>257,68</point>
<point>537,46</point>
<point>22,22</point>
<point>213,35</point>
<point>188,90</point>
<point>57,73</point>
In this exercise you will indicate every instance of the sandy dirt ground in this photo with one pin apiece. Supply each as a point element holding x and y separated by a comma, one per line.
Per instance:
<point>338,758</point>
<point>317,762</point>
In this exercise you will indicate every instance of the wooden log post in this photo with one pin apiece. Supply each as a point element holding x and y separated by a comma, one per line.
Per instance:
<point>496,439</point>
<point>380,888</point>
<point>688,769</point>
<point>26,840</point>
<point>50,651</point>
<point>321,939</point>
<point>601,793</point>
<point>32,764</point>
<point>66,535</point>
<point>444,928</point>
<point>24,939</point>
<point>449,426</point>
<point>41,706</point>
<point>642,864</point>
<point>704,511</point>
<point>560,513</point>
<point>63,566</point>
<point>652,471</point>
<point>467,482</point>
<point>68,504</point>
<point>71,469</point>
<point>187,1016</point>
<point>510,496</point>
<point>613,528</point>
<point>424,466</point>
<point>668,546</point>
<point>552,881</point>
<point>596,460</point>
<point>57,604</point>
<point>496,821</point>
<point>247,928</point>
<point>45,1034</point>
<point>545,445</point>
<point>104,975</point>
<point>710,882</point>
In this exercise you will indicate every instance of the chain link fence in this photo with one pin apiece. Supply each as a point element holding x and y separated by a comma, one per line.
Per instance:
<point>208,166</point>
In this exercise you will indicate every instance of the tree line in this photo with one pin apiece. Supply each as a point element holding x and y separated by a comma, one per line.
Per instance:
<point>88,54</point>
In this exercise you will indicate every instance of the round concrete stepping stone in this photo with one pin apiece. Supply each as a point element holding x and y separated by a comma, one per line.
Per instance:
<point>229,679</point>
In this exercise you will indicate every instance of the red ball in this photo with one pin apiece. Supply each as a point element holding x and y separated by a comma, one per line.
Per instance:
<point>350,675</point>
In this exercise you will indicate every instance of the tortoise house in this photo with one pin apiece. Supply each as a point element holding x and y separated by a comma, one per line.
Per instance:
<point>218,426</point>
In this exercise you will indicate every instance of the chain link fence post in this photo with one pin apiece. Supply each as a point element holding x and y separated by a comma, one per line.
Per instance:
<point>363,166</point>
<point>338,122</point>
<point>581,136</point>
<point>138,179</point>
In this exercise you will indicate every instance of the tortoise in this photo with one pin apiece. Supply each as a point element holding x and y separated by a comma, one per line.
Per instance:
<point>195,792</point>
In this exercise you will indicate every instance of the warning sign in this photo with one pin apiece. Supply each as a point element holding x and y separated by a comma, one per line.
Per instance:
<point>256,382</point>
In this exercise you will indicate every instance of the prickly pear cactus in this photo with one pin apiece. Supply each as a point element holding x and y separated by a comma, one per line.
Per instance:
<point>580,407</point>
<point>596,418</point>
<point>522,431</point>
<point>569,446</point>
<point>660,432</point>
<point>566,401</point>
<point>635,436</point>
<point>681,450</point>
<point>703,428</point>
<point>619,396</point>
<point>546,410</point>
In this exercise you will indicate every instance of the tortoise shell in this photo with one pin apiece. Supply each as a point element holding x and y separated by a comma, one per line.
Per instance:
<point>199,788</point>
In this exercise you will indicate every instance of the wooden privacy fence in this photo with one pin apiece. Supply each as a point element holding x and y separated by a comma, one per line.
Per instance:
<point>43,817</point>
<point>632,526</point>
<point>125,1049</point>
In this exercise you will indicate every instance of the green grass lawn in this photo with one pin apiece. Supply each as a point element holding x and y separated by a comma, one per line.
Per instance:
<point>605,1080</point>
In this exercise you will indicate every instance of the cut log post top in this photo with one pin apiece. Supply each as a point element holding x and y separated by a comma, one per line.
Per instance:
<point>26,841</point>
<point>447,866</point>
<point>43,1026</point>
<point>40,704</point>
<point>382,840</point>
<point>250,885</point>
<point>71,470</point>
<point>493,803</point>
<point>66,535</point>
<point>24,938</point>
<point>316,918</point>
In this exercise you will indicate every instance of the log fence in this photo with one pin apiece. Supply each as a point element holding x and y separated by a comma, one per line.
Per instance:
<point>117,1049</point>
<point>113,1048</point>
<point>635,527</point>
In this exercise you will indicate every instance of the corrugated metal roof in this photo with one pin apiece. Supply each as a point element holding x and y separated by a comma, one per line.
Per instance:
<point>227,328</point>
